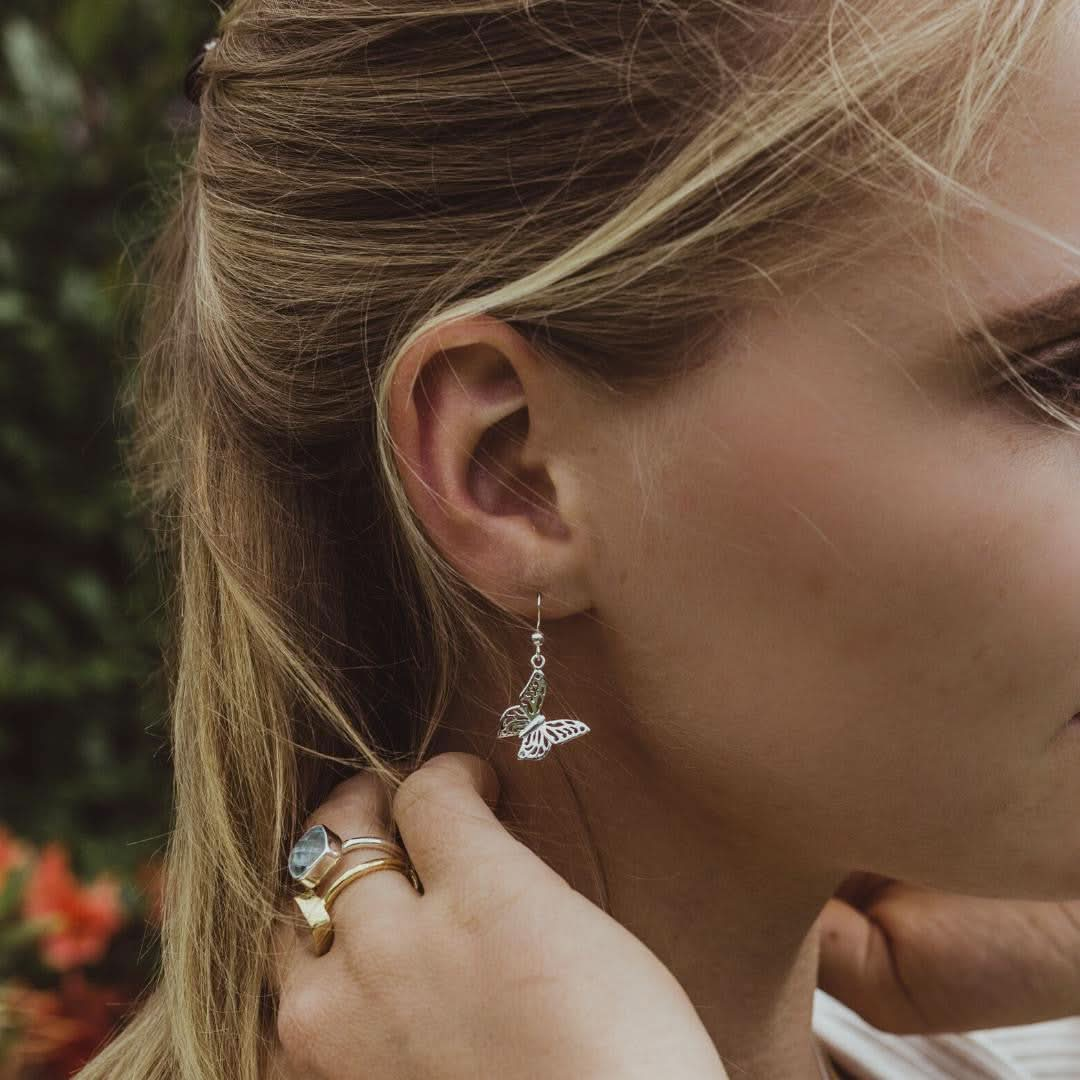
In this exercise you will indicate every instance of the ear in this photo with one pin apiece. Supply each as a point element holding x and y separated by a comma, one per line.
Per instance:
<point>478,423</point>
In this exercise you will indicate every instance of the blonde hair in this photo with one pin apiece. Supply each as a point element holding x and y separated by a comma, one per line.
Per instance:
<point>614,179</point>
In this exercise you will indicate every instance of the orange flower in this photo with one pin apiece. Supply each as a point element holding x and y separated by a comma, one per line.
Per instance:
<point>57,1032</point>
<point>83,918</point>
<point>12,853</point>
<point>35,1019</point>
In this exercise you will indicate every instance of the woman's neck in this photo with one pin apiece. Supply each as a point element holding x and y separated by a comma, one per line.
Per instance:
<point>730,913</point>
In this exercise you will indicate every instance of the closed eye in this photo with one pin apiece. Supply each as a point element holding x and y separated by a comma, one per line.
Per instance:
<point>1052,371</point>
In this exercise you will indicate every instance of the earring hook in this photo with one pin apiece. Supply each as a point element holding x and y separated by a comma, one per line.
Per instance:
<point>537,611</point>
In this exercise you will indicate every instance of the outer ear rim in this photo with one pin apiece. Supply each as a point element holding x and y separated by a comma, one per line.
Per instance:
<point>429,508</point>
<point>558,568</point>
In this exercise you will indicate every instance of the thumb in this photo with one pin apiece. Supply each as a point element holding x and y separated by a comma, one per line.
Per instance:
<point>478,772</point>
<point>445,813</point>
<point>856,966</point>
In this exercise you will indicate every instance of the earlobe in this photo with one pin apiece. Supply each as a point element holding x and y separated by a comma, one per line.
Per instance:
<point>460,411</point>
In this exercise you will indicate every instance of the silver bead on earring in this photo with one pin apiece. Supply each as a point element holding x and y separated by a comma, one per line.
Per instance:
<point>538,733</point>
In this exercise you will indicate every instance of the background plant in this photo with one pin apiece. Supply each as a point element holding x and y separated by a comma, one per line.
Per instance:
<point>92,120</point>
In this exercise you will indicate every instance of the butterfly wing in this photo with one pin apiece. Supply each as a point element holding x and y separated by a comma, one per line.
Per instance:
<point>532,696</point>
<point>517,718</point>
<point>542,738</point>
<point>513,721</point>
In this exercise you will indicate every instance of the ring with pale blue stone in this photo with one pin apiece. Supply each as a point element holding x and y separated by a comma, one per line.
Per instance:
<point>311,861</point>
<point>320,850</point>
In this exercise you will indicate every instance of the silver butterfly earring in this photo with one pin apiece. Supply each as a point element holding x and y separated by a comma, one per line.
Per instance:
<point>538,733</point>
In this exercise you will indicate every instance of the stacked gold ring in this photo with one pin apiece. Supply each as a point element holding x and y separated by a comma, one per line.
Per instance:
<point>316,854</point>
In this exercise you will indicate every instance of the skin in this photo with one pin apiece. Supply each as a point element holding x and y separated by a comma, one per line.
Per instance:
<point>819,604</point>
<point>498,969</point>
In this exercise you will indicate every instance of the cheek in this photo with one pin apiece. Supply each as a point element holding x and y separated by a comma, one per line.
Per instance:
<point>879,622</point>
<point>923,548</point>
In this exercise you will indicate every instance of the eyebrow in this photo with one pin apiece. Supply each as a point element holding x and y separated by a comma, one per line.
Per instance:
<point>1020,328</point>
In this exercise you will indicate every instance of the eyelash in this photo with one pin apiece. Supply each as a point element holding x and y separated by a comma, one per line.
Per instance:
<point>1053,371</point>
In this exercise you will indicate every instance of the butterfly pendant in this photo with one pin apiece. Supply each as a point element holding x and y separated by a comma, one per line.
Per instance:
<point>538,733</point>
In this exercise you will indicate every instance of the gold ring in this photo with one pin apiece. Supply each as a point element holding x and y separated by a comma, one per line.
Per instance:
<point>365,868</point>
<point>316,908</point>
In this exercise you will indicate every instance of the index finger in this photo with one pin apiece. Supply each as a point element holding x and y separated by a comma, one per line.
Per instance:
<point>357,806</point>
<point>445,814</point>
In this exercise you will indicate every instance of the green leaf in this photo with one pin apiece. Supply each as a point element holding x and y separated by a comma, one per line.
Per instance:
<point>82,300</point>
<point>12,307</point>
<point>89,28</point>
<point>46,82</point>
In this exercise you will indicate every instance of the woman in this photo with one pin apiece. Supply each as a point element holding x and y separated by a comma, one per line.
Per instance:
<point>738,334</point>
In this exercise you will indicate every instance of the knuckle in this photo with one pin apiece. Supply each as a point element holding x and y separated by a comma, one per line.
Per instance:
<point>361,801</point>
<point>419,788</point>
<point>439,781</point>
<point>373,959</point>
<point>478,902</point>
<point>298,1014</point>
<point>344,794</point>
<point>374,942</point>
<point>353,787</point>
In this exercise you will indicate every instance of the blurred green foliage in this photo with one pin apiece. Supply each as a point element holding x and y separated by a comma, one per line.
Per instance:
<point>92,118</point>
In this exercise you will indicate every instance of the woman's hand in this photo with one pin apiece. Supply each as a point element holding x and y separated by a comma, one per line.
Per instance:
<point>499,969</point>
<point>912,960</point>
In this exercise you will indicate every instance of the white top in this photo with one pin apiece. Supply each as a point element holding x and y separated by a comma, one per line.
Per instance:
<point>1045,1051</point>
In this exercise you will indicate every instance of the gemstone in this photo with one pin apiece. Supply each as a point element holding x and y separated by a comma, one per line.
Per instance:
<point>308,850</point>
